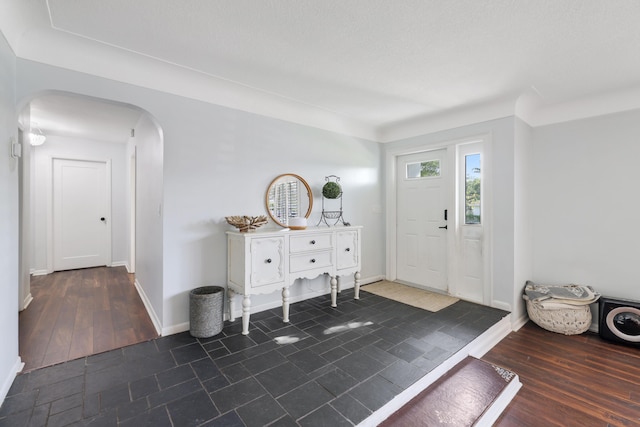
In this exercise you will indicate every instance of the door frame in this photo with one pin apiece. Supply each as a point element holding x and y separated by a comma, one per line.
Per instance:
<point>50,208</point>
<point>450,145</point>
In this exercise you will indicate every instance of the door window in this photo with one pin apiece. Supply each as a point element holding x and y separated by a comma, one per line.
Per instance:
<point>426,169</point>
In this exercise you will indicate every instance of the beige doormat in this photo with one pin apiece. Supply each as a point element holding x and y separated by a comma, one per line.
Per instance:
<point>415,297</point>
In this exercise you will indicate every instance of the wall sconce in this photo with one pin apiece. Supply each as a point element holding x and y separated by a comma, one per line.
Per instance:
<point>36,137</point>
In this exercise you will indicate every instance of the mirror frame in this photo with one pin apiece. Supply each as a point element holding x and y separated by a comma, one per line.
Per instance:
<point>309,195</point>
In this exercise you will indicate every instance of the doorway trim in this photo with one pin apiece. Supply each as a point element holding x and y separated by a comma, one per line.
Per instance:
<point>132,209</point>
<point>450,145</point>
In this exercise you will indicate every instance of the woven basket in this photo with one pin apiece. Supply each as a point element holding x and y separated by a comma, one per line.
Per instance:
<point>206,316</point>
<point>568,321</point>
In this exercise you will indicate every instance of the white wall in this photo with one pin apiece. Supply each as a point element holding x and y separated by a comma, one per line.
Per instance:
<point>219,162</point>
<point>9,245</point>
<point>585,203</point>
<point>24,176</point>
<point>523,227</point>
<point>74,148</point>
<point>148,144</point>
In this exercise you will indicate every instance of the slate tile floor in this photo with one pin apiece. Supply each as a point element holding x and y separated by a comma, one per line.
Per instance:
<point>328,367</point>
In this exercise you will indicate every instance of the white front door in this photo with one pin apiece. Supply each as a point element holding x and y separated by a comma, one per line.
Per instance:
<point>421,246</point>
<point>81,214</point>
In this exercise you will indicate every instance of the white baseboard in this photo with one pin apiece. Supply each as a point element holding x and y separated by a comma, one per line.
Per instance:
<point>501,305</point>
<point>26,301</point>
<point>6,384</point>
<point>119,264</point>
<point>39,272</point>
<point>520,322</point>
<point>176,329</point>
<point>147,304</point>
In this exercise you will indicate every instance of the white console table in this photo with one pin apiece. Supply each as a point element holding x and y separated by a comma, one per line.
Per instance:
<point>263,262</point>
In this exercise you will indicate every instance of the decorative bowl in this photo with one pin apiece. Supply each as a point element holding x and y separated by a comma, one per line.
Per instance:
<point>246,223</point>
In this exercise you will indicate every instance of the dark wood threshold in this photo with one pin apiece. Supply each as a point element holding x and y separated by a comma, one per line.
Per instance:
<point>461,397</point>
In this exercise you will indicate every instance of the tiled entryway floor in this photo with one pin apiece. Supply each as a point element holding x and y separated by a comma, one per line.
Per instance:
<point>328,367</point>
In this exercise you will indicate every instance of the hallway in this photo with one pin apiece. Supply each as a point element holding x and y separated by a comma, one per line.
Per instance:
<point>78,313</point>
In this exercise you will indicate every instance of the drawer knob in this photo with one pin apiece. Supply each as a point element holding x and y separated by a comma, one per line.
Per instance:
<point>348,250</point>
<point>268,261</point>
<point>313,260</point>
<point>313,242</point>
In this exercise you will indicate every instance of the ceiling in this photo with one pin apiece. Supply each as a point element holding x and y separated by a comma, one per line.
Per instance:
<point>373,64</point>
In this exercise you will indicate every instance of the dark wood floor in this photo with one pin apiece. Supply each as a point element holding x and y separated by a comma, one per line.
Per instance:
<point>577,380</point>
<point>77,313</point>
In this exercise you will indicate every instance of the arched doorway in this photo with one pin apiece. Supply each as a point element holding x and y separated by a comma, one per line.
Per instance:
<point>79,312</point>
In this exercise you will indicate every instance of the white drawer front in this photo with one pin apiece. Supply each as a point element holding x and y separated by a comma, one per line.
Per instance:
<point>267,261</point>
<point>310,261</point>
<point>310,242</point>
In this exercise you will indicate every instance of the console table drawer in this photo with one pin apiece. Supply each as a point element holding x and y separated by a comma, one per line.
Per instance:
<point>310,242</point>
<point>310,261</point>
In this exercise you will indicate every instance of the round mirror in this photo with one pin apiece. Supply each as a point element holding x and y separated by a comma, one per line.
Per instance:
<point>288,196</point>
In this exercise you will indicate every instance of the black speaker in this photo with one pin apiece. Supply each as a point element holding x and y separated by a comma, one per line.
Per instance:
<point>619,321</point>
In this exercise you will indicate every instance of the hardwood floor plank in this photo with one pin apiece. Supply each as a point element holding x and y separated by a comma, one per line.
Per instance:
<point>81,343</point>
<point>578,380</point>
<point>81,312</point>
<point>103,338</point>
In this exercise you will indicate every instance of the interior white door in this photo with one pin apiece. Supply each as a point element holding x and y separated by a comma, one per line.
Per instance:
<point>81,214</point>
<point>421,257</point>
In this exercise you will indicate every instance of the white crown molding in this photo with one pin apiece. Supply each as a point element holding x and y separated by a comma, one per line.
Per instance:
<point>447,120</point>
<point>27,28</point>
<point>531,109</point>
<point>71,52</point>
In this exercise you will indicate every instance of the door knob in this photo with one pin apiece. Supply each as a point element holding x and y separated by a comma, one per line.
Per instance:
<point>445,227</point>
<point>103,219</point>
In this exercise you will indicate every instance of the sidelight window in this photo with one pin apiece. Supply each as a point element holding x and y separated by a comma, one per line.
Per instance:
<point>472,187</point>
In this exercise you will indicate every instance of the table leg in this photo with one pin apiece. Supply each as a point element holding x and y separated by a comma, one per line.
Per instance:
<point>285,305</point>
<point>230,295</point>
<point>246,312</point>
<point>334,291</point>
<point>356,285</point>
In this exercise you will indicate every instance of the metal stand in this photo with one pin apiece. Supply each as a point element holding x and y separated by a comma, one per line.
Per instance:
<point>332,215</point>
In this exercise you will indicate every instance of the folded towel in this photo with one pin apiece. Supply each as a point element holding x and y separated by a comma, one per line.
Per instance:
<point>562,294</point>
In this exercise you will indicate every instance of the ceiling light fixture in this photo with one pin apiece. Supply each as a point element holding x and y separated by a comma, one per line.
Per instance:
<point>36,137</point>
